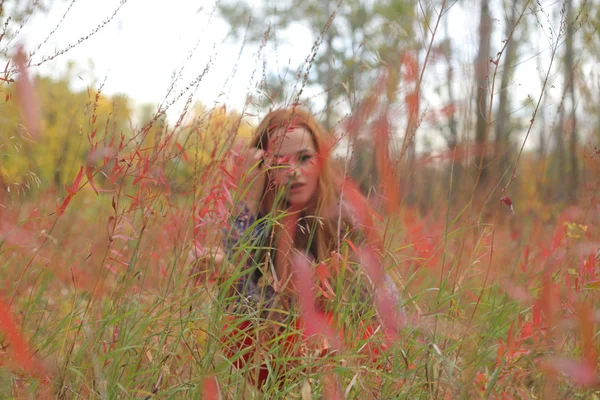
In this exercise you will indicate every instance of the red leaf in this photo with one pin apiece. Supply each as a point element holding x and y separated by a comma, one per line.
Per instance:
<point>411,71</point>
<point>322,271</point>
<point>392,320</point>
<point>226,194</point>
<point>527,331</point>
<point>202,213</point>
<point>211,389</point>
<point>510,343</point>
<point>323,275</point>
<point>586,327</point>
<point>123,237</point>
<point>115,337</point>
<point>75,187</point>
<point>589,266</point>
<point>412,102</point>
<point>550,301</point>
<point>123,263</point>
<point>389,183</point>
<point>183,153</point>
<point>472,296</point>
<point>500,354</point>
<point>314,323</point>
<point>23,356</point>
<point>61,209</point>
<point>331,388</point>
<point>448,110</point>
<point>111,268</point>
<point>506,200</point>
<point>89,173</point>
<point>352,246</point>
<point>580,372</point>
<point>537,314</point>
<point>517,292</point>
<point>26,97</point>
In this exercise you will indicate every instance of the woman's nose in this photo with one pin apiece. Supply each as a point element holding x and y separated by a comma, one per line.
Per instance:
<point>295,170</point>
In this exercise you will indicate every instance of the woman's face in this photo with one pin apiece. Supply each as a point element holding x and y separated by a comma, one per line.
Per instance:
<point>293,161</point>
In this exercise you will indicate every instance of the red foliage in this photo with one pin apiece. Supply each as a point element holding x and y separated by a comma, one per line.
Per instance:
<point>71,192</point>
<point>23,357</point>
<point>580,372</point>
<point>26,96</point>
<point>211,389</point>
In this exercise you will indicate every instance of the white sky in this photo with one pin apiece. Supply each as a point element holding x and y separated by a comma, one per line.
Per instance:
<point>146,43</point>
<point>149,40</point>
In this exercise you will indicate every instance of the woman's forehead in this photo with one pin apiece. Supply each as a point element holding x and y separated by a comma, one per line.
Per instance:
<point>291,141</point>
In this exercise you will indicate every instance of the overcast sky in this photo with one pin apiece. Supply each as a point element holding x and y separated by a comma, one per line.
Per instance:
<point>147,42</point>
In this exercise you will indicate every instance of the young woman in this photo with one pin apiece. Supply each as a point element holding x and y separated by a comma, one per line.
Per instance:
<point>294,207</point>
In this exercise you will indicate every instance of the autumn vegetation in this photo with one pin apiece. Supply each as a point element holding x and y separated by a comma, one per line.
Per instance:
<point>493,237</point>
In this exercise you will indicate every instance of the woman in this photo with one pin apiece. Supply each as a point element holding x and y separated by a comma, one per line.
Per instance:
<point>292,208</point>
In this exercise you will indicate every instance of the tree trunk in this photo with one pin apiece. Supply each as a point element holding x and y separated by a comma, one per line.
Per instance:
<point>411,150</point>
<point>329,77</point>
<point>560,158</point>
<point>542,124</point>
<point>481,80</point>
<point>503,115</point>
<point>452,140</point>
<point>573,175</point>
<point>452,137</point>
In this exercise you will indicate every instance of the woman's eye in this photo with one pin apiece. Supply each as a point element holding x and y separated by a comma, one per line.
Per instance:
<point>279,162</point>
<point>305,157</point>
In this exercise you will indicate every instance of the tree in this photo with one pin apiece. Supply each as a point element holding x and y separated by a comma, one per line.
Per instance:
<point>350,41</point>
<point>573,167</point>
<point>481,80</point>
<point>502,120</point>
<point>452,136</point>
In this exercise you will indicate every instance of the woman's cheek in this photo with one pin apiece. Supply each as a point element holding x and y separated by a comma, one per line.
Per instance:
<point>311,171</point>
<point>278,178</point>
<point>314,183</point>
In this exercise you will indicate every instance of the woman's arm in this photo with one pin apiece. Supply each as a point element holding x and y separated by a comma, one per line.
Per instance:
<point>247,167</point>
<point>211,261</point>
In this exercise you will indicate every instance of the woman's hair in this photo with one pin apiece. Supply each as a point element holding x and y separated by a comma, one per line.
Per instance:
<point>325,226</point>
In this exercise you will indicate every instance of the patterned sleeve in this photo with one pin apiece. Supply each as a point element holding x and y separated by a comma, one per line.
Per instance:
<point>241,221</point>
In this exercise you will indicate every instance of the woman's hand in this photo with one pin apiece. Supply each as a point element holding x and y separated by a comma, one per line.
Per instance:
<point>205,264</point>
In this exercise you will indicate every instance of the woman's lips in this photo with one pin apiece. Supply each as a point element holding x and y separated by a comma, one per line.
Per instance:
<point>295,187</point>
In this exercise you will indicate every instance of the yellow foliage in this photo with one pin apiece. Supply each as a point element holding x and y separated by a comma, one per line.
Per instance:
<point>72,121</point>
<point>575,231</point>
<point>67,122</point>
<point>210,129</point>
